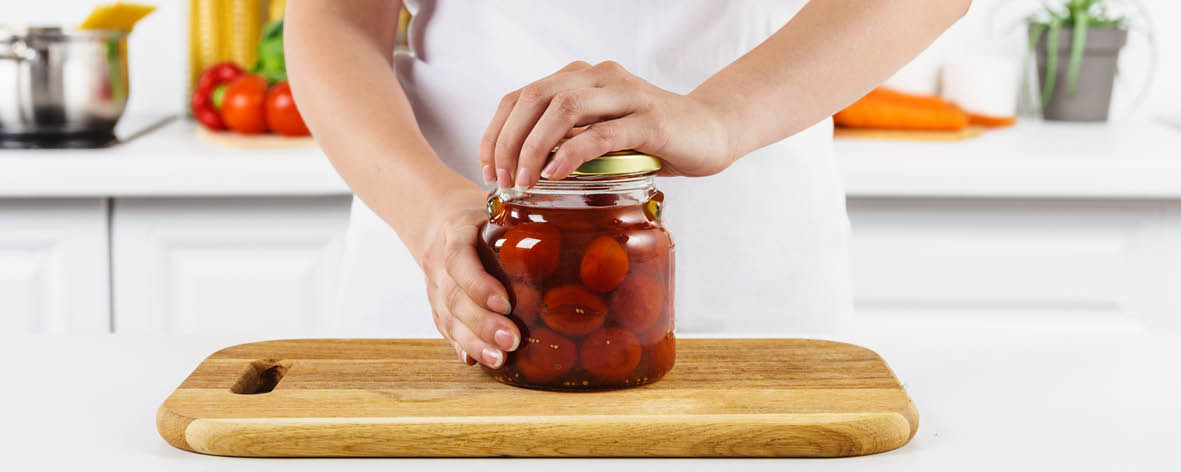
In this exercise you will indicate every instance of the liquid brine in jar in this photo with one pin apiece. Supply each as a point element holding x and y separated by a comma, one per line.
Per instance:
<point>588,265</point>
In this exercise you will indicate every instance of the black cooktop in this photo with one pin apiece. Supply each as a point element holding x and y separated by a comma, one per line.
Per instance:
<point>58,141</point>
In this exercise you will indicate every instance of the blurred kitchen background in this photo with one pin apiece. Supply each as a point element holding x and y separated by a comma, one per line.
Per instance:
<point>1042,225</point>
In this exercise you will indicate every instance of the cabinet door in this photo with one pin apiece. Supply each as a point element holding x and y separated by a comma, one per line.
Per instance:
<point>261,266</point>
<point>980,264</point>
<point>54,266</point>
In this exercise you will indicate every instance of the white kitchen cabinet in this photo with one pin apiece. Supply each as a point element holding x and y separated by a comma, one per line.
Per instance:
<point>1002,263</point>
<point>53,265</point>
<point>263,266</point>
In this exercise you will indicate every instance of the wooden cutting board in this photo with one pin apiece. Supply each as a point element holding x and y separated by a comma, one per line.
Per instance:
<point>402,397</point>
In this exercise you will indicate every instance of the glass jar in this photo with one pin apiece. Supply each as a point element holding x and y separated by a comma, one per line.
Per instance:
<point>588,265</point>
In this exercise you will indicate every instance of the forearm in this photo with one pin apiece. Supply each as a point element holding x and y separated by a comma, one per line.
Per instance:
<point>339,59</point>
<point>831,53</point>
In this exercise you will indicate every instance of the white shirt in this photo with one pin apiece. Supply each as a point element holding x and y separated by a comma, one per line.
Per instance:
<point>761,247</point>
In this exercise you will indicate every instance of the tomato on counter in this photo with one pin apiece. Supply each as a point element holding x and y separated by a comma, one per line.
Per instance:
<point>226,96</point>
<point>203,103</point>
<point>242,106</point>
<point>281,114</point>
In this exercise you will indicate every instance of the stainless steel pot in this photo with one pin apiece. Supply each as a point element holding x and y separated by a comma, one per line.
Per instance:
<point>60,84</point>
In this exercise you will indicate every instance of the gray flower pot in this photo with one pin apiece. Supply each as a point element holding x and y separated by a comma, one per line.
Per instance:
<point>1091,98</point>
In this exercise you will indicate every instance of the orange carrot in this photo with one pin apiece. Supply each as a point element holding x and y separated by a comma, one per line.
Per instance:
<point>990,121</point>
<point>884,108</point>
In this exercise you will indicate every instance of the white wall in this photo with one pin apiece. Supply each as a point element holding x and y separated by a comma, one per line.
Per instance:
<point>159,49</point>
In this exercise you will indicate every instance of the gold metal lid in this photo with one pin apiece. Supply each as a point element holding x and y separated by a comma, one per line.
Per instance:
<point>619,163</point>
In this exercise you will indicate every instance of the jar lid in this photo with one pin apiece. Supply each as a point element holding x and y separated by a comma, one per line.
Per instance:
<point>619,163</point>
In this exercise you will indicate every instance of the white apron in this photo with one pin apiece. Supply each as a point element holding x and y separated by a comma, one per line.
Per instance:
<point>761,247</point>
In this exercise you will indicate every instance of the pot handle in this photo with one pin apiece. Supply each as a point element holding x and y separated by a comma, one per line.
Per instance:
<point>17,51</point>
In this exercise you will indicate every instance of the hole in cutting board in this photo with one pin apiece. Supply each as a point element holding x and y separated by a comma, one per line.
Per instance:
<point>261,376</point>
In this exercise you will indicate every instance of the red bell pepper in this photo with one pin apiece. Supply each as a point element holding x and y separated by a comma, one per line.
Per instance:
<point>217,75</point>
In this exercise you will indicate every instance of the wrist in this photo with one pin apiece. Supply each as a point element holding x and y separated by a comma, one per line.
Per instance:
<point>446,205</point>
<point>727,117</point>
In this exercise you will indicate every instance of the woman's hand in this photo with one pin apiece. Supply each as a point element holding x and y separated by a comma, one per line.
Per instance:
<point>468,304</point>
<point>602,108</point>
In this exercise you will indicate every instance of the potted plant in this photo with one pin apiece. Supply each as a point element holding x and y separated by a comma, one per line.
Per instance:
<point>1076,44</point>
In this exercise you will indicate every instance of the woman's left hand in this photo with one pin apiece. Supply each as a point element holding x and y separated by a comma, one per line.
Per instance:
<point>601,108</point>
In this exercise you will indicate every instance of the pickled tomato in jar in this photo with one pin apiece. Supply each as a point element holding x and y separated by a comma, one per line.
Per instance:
<point>588,265</point>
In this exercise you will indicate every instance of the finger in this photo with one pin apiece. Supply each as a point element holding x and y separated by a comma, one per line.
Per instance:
<point>439,312</point>
<point>572,132</point>
<point>463,356</point>
<point>488,141</point>
<point>475,347</point>
<point>629,132</point>
<point>493,328</point>
<point>531,103</point>
<point>444,322</point>
<point>568,110</point>
<point>464,267</point>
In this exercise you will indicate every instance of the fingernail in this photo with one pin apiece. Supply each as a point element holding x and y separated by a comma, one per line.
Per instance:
<point>493,358</point>
<point>498,304</point>
<point>502,178</point>
<point>549,170</point>
<point>489,175</point>
<point>522,180</point>
<point>506,340</point>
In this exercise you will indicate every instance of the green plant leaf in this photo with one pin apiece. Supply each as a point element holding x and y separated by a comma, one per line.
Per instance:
<point>1036,31</point>
<point>1077,46</point>
<point>1051,61</point>
<point>273,29</point>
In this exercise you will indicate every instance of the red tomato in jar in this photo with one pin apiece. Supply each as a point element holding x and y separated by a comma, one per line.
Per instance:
<point>545,355</point>
<point>636,304</point>
<point>662,355</point>
<point>526,302</point>
<point>604,264</point>
<point>659,330</point>
<point>281,114</point>
<point>648,251</point>
<point>242,104</point>
<point>573,310</point>
<point>611,354</point>
<point>529,251</point>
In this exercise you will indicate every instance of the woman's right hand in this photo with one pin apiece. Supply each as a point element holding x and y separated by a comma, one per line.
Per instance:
<point>469,305</point>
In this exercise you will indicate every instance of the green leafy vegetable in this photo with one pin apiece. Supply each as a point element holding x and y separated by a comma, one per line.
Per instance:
<point>271,63</point>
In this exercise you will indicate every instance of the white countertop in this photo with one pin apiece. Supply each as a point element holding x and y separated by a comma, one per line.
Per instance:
<point>1135,159</point>
<point>170,161</point>
<point>987,402</point>
<point>1034,159</point>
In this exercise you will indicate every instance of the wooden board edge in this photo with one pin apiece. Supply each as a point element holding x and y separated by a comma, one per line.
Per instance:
<point>255,344</point>
<point>911,413</point>
<point>173,427</point>
<point>849,434</point>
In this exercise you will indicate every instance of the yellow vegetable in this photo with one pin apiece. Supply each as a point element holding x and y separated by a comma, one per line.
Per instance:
<point>116,16</point>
